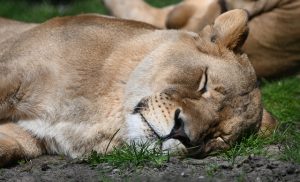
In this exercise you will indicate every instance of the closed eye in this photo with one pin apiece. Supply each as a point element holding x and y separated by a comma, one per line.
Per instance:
<point>203,82</point>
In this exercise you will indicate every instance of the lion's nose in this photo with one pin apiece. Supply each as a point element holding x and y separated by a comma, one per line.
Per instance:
<point>178,130</point>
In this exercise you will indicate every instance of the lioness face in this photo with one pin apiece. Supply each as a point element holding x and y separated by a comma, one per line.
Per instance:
<point>197,92</point>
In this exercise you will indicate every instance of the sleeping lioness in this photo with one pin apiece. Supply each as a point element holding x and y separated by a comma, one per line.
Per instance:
<point>86,83</point>
<point>273,44</point>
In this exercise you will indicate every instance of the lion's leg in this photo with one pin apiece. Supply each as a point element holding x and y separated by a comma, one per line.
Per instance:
<point>24,86</point>
<point>9,87</point>
<point>19,99</point>
<point>16,144</point>
<point>268,124</point>
<point>254,7</point>
<point>139,10</point>
<point>12,93</point>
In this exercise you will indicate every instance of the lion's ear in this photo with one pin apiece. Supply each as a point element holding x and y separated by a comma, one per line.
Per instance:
<point>230,29</point>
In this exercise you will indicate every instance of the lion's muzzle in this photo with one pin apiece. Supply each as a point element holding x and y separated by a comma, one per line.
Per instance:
<point>178,131</point>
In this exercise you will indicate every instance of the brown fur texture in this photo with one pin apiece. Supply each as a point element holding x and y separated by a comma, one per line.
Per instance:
<point>10,28</point>
<point>68,85</point>
<point>273,44</point>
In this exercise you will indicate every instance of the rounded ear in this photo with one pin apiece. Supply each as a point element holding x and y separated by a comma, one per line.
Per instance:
<point>230,29</point>
<point>268,124</point>
<point>179,16</point>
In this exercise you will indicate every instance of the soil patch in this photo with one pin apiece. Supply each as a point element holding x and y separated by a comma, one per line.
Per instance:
<point>57,168</point>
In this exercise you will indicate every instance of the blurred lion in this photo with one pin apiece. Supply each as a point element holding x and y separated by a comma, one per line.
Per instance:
<point>273,44</point>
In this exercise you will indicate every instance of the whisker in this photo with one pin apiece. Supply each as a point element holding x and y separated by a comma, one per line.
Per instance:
<point>193,147</point>
<point>139,107</point>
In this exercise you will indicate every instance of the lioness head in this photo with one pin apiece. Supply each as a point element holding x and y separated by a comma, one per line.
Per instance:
<point>196,92</point>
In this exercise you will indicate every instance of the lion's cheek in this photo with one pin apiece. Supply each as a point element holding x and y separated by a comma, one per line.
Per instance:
<point>137,129</point>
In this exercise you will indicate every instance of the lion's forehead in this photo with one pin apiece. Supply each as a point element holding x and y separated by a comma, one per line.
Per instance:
<point>223,66</point>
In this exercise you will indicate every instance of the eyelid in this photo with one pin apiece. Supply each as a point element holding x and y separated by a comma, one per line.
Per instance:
<point>203,82</point>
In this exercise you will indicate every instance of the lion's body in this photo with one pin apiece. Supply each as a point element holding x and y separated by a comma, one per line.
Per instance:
<point>68,85</point>
<point>11,28</point>
<point>71,84</point>
<point>273,43</point>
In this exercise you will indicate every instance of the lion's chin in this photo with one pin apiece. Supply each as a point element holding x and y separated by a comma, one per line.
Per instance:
<point>139,132</point>
<point>174,146</point>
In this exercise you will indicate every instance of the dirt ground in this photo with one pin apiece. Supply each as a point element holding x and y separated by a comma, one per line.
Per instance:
<point>251,168</point>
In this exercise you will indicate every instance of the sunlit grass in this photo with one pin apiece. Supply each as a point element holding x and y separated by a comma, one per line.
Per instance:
<point>40,12</point>
<point>282,99</point>
<point>132,155</point>
<point>43,10</point>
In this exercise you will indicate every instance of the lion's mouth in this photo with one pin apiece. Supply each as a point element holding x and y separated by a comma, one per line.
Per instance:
<point>185,142</point>
<point>176,133</point>
<point>192,149</point>
<point>151,128</point>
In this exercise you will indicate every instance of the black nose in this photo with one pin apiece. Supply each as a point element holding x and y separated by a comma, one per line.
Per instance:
<point>178,130</point>
<point>178,121</point>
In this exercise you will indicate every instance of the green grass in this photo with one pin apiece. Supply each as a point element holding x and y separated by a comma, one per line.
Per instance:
<point>281,97</point>
<point>211,169</point>
<point>162,3</point>
<point>248,146</point>
<point>39,12</point>
<point>132,155</point>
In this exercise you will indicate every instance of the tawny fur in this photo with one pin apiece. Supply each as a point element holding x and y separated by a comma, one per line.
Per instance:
<point>273,44</point>
<point>68,85</point>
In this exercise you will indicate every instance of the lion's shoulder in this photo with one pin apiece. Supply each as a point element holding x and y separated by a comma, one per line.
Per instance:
<point>97,20</point>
